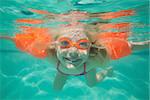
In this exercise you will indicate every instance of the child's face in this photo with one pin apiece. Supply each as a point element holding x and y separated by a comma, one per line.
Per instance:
<point>73,49</point>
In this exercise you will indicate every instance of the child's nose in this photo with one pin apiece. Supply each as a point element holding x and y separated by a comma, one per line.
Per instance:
<point>73,52</point>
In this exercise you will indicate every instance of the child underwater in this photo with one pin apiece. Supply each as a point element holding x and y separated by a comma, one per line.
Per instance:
<point>78,48</point>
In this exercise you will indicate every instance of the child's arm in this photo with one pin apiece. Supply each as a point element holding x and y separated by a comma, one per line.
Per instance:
<point>6,37</point>
<point>139,45</point>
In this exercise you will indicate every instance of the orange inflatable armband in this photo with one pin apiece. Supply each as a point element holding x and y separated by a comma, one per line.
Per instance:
<point>34,41</point>
<point>116,44</point>
<point>116,48</point>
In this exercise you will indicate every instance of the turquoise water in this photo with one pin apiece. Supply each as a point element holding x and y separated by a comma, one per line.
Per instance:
<point>24,77</point>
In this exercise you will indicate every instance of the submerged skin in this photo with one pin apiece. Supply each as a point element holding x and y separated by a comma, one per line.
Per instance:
<point>75,66</point>
<point>72,58</point>
<point>72,61</point>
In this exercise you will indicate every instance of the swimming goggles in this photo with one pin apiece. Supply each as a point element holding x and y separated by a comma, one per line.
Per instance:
<point>65,43</point>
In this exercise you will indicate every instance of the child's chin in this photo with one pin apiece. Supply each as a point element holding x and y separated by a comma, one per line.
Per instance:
<point>74,65</point>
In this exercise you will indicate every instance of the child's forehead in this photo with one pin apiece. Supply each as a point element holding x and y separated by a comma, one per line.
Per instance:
<point>75,36</point>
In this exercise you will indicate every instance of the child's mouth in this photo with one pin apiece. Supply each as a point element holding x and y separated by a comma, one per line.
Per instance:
<point>72,60</point>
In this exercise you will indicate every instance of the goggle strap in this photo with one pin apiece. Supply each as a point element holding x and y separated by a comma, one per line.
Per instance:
<point>98,47</point>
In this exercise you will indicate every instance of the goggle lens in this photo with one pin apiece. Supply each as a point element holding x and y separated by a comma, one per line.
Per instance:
<point>67,43</point>
<point>83,44</point>
<point>64,43</point>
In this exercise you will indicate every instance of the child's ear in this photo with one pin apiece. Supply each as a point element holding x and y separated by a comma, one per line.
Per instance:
<point>52,45</point>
